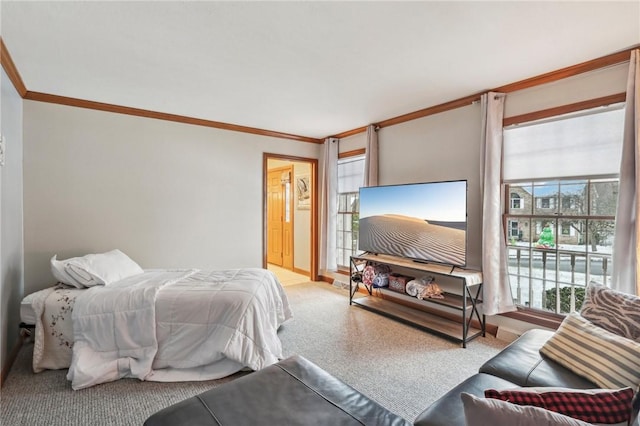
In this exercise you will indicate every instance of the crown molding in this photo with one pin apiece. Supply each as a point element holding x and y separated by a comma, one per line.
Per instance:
<point>598,63</point>
<point>82,103</point>
<point>550,77</point>
<point>11,70</point>
<point>14,76</point>
<point>592,65</point>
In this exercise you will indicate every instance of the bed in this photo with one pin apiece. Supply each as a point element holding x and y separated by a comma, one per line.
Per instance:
<point>159,325</point>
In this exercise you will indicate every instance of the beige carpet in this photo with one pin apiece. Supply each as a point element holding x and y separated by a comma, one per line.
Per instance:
<point>403,368</point>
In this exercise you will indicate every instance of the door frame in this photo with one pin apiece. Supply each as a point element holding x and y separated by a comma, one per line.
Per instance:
<point>313,162</point>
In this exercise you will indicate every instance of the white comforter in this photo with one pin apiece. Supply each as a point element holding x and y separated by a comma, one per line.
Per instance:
<point>205,326</point>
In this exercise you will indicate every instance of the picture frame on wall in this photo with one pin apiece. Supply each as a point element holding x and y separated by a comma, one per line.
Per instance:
<point>303,192</point>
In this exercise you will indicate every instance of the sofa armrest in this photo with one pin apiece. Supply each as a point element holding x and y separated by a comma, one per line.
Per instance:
<point>522,364</point>
<point>448,410</point>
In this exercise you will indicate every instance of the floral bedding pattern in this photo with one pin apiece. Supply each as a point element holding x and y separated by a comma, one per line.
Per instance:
<point>54,328</point>
<point>65,300</point>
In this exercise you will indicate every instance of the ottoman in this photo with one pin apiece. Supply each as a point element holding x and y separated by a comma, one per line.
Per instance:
<point>291,392</point>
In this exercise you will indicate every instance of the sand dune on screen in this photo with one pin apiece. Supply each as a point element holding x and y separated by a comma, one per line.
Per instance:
<point>412,237</point>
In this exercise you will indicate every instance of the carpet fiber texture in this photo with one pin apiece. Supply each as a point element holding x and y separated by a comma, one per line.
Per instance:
<point>401,367</point>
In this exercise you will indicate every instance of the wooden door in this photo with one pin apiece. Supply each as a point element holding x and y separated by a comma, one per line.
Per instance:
<point>275,214</point>
<point>280,217</point>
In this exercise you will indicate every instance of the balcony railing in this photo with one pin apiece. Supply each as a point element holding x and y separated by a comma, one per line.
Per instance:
<point>554,280</point>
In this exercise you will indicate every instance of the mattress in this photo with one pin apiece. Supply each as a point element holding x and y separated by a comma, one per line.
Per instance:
<point>27,313</point>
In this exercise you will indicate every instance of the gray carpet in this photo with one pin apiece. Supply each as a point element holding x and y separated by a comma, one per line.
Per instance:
<point>402,368</point>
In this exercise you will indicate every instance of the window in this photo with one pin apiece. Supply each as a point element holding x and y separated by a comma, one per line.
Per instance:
<point>350,179</point>
<point>545,203</point>
<point>513,228</point>
<point>568,202</point>
<point>516,201</point>
<point>568,229</point>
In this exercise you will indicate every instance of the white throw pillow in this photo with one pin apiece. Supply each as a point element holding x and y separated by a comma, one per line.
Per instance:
<point>607,359</point>
<point>103,268</point>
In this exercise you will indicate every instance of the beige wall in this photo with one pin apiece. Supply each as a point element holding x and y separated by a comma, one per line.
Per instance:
<point>167,194</point>
<point>302,225</point>
<point>582,87</point>
<point>438,148</point>
<point>352,142</point>
<point>11,248</point>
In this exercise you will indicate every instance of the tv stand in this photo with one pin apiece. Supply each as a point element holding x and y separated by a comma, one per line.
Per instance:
<point>423,314</point>
<point>426,262</point>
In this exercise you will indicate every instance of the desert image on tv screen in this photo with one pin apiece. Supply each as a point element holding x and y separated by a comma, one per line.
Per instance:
<point>426,221</point>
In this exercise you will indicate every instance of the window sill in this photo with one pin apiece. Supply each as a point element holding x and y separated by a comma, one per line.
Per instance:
<point>533,316</point>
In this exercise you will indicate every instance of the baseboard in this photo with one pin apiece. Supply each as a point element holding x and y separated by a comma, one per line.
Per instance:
<point>301,271</point>
<point>11,359</point>
<point>326,279</point>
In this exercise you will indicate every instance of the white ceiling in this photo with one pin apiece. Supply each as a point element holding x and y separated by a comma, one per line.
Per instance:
<point>307,68</point>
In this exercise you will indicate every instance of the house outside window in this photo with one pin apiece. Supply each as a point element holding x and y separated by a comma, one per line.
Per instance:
<point>350,179</point>
<point>545,263</point>
<point>567,212</point>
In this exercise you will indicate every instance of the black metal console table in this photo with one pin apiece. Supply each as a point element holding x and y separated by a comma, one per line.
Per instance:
<point>413,311</point>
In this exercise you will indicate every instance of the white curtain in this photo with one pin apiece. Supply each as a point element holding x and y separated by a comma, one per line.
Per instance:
<point>624,276</point>
<point>496,291</point>
<point>329,205</point>
<point>371,157</point>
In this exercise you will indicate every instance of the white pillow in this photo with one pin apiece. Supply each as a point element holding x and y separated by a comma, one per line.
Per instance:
<point>487,411</point>
<point>60,274</point>
<point>104,268</point>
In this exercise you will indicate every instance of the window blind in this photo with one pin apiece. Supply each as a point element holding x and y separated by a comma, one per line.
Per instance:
<point>350,174</point>
<point>574,145</point>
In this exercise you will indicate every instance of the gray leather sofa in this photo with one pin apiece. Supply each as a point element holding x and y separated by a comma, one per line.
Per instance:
<point>519,364</point>
<point>297,392</point>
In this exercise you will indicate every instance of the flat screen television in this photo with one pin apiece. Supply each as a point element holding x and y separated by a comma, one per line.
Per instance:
<point>421,221</point>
